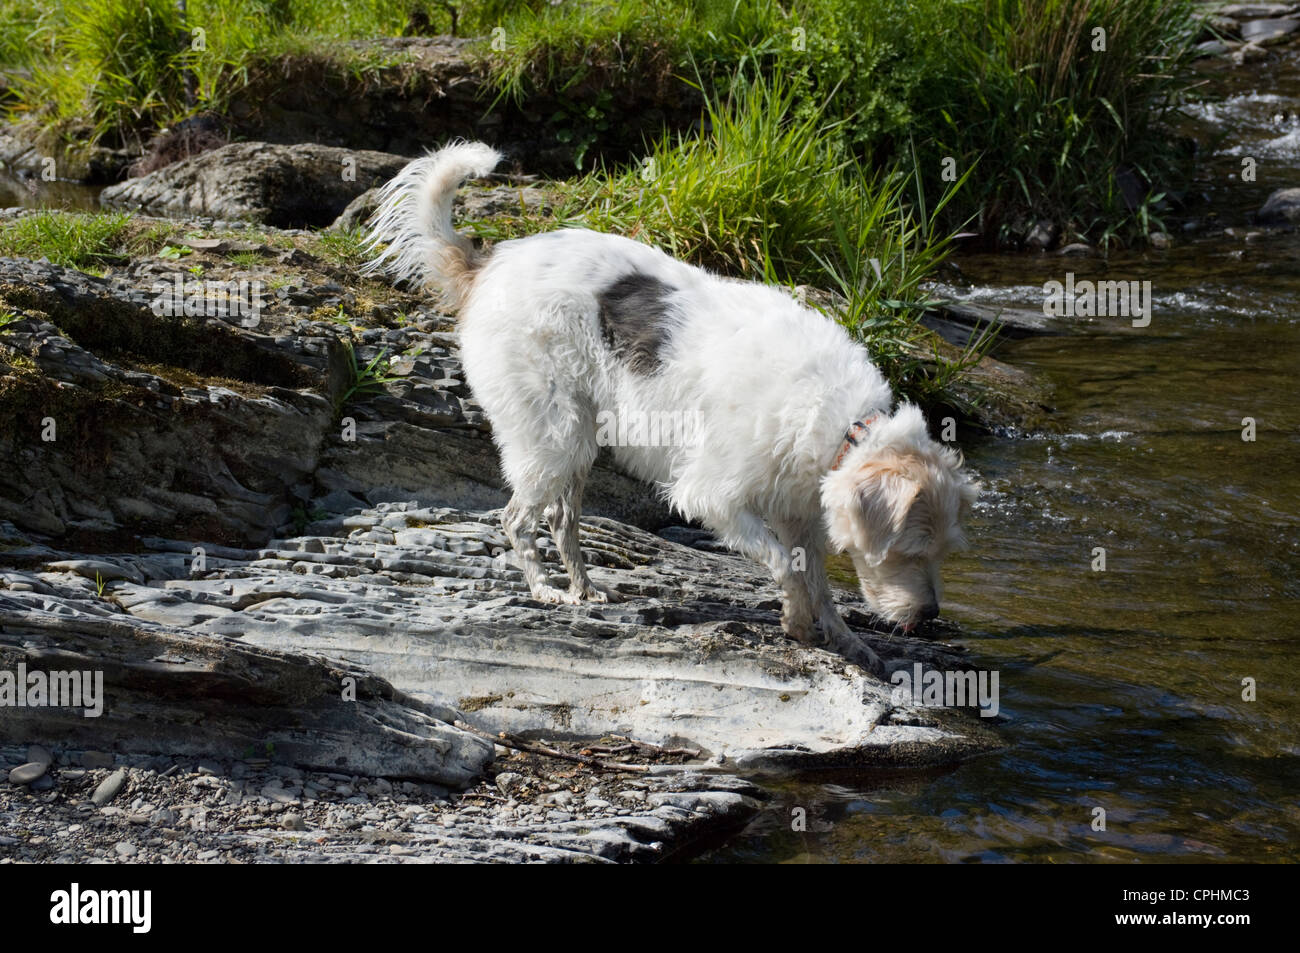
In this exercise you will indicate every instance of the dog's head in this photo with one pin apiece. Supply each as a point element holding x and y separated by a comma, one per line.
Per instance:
<point>895,504</point>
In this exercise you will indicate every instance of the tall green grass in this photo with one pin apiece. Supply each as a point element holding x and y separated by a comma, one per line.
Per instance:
<point>73,239</point>
<point>1049,123</point>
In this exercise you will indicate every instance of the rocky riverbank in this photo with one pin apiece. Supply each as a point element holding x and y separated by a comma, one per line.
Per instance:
<point>313,643</point>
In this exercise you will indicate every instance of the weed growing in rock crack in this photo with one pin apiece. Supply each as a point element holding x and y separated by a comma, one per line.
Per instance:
<point>7,318</point>
<point>301,518</point>
<point>245,259</point>
<point>99,585</point>
<point>343,246</point>
<point>366,380</point>
<point>175,252</point>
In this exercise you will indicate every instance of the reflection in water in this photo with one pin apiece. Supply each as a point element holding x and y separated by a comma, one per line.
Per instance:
<point>30,192</point>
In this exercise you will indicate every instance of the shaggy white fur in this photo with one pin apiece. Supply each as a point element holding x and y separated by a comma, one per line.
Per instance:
<point>568,335</point>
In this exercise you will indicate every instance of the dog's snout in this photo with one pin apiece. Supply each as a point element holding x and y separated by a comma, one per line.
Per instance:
<point>930,612</point>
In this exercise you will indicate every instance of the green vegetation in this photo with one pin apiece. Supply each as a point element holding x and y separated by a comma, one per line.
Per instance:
<point>75,240</point>
<point>84,240</point>
<point>1049,115</point>
<point>342,246</point>
<point>843,143</point>
<point>368,380</point>
<point>771,192</point>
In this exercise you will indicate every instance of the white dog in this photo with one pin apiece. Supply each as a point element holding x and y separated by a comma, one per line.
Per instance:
<point>793,449</point>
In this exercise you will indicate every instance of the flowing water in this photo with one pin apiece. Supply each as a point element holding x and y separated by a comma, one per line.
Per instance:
<point>1123,689</point>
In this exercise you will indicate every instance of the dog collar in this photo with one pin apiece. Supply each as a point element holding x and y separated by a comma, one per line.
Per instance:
<point>857,430</point>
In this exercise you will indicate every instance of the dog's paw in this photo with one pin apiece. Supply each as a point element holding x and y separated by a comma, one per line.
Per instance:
<point>863,657</point>
<point>596,593</point>
<point>801,629</point>
<point>551,595</point>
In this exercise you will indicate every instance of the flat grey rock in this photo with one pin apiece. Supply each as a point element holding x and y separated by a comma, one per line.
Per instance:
<point>692,656</point>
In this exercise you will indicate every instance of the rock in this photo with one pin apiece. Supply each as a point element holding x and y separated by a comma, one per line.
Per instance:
<point>96,759</point>
<point>358,210</point>
<point>293,822</point>
<point>508,781</point>
<point>1160,240</point>
<point>957,322</point>
<point>1282,207</point>
<point>1213,48</point>
<point>1268,31</point>
<point>229,457</point>
<point>39,755</point>
<point>693,656</point>
<point>1077,250</point>
<point>1042,236</point>
<point>109,788</point>
<point>237,698</point>
<point>1254,11</point>
<point>95,569</point>
<point>123,849</point>
<point>27,773</point>
<point>287,186</point>
<point>1248,53</point>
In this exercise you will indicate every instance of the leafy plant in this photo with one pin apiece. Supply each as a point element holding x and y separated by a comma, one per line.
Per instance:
<point>369,379</point>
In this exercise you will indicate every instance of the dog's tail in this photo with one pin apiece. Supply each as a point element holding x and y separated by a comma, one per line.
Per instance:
<point>414,219</point>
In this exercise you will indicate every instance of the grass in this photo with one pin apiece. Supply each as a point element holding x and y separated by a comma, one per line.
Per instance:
<point>1052,122</point>
<point>368,380</point>
<point>76,240</point>
<point>341,246</point>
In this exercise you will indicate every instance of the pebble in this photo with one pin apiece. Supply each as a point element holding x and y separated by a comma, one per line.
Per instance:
<point>109,788</point>
<point>39,755</point>
<point>293,822</point>
<point>96,759</point>
<point>126,850</point>
<point>277,794</point>
<point>27,773</point>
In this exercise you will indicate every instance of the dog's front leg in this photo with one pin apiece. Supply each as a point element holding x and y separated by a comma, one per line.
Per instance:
<point>808,549</point>
<point>838,636</point>
<point>748,535</point>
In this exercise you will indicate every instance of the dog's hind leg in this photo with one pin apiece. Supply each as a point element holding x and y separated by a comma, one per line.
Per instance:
<point>519,520</point>
<point>563,516</point>
<point>547,467</point>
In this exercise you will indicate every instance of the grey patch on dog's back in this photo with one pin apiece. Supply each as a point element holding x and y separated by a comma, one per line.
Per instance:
<point>635,321</point>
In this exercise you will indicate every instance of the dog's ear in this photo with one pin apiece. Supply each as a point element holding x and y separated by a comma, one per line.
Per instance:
<point>867,507</point>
